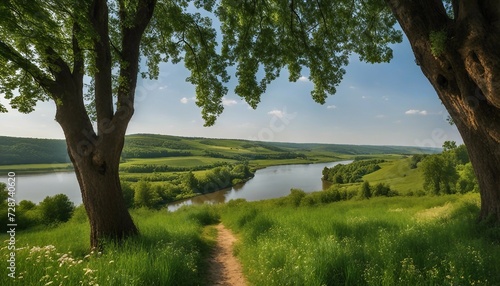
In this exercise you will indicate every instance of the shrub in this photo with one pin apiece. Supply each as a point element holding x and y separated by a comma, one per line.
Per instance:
<point>381,189</point>
<point>296,196</point>
<point>145,196</point>
<point>365,190</point>
<point>56,209</point>
<point>128,194</point>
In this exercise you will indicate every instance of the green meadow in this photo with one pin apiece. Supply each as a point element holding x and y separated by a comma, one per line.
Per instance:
<point>381,241</point>
<point>431,240</point>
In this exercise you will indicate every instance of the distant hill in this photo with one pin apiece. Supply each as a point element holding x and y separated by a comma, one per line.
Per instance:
<point>14,150</point>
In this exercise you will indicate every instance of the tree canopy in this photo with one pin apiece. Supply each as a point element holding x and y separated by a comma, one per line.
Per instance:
<point>39,39</point>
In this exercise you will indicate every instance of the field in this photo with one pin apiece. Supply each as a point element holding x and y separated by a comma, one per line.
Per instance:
<point>185,152</point>
<point>431,240</point>
<point>399,176</point>
<point>382,241</point>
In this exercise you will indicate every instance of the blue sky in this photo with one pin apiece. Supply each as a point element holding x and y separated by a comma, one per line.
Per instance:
<point>381,104</point>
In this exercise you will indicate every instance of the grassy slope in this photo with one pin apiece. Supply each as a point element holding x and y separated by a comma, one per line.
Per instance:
<point>398,175</point>
<point>172,249</point>
<point>382,241</point>
<point>21,149</point>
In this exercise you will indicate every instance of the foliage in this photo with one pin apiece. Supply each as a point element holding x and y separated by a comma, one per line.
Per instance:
<point>365,191</point>
<point>415,159</point>
<point>145,196</point>
<point>32,151</point>
<point>351,173</point>
<point>56,209</point>
<point>438,42</point>
<point>128,194</point>
<point>440,175</point>
<point>449,172</point>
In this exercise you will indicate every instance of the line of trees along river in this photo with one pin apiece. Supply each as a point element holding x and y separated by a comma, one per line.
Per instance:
<point>271,182</point>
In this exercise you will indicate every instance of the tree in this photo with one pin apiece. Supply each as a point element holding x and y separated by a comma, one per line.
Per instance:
<point>455,42</point>
<point>440,175</point>
<point>56,209</point>
<point>365,190</point>
<point>145,195</point>
<point>48,47</point>
<point>449,145</point>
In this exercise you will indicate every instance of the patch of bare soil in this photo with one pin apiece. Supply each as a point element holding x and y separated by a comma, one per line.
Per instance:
<point>224,268</point>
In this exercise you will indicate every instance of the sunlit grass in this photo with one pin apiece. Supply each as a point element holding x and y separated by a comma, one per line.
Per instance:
<point>171,250</point>
<point>381,241</point>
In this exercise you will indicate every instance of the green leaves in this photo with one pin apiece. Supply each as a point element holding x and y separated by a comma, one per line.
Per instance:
<point>263,37</point>
<point>260,38</point>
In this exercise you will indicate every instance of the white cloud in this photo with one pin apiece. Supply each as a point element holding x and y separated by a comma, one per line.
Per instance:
<point>416,112</point>
<point>185,100</point>
<point>277,113</point>
<point>385,97</point>
<point>228,102</point>
<point>331,107</point>
<point>162,87</point>
<point>380,116</point>
<point>303,79</point>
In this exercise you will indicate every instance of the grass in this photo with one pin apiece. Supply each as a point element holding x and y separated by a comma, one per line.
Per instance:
<point>191,161</point>
<point>398,175</point>
<point>36,168</point>
<point>432,240</point>
<point>383,241</point>
<point>172,249</point>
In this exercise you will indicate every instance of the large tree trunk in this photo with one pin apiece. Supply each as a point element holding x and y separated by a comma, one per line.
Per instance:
<point>96,161</point>
<point>102,196</point>
<point>463,65</point>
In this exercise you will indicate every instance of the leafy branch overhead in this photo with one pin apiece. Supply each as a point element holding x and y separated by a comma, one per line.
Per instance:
<point>41,42</point>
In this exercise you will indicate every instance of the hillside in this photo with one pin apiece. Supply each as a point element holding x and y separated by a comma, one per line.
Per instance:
<point>15,150</point>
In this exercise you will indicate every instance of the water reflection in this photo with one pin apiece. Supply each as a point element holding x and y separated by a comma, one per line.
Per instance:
<point>271,182</point>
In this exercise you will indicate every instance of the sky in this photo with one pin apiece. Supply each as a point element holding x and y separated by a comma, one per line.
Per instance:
<point>376,104</point>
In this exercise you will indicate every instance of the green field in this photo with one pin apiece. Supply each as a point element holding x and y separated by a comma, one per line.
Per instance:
<point>399,176</point>
<point>36,168</point>
<point>192,161</point>
<point>185,152</point>
<point>432,240</point>
<point>381,241</point>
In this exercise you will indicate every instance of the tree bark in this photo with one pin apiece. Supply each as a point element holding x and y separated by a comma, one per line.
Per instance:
<point>96,161</point>
<point>464,69</point>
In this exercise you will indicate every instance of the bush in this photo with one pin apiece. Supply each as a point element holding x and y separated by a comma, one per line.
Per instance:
<point>128,194</point>
<point>296,196</point>
<point>365,190</point>
<point>145,196</point>
<point>381,189</point>
<point>56,209</point>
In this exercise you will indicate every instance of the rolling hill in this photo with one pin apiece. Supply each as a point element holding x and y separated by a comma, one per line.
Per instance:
<point>14,150</point>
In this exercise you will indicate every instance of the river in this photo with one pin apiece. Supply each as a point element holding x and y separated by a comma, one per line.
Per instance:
<point>270,182</point>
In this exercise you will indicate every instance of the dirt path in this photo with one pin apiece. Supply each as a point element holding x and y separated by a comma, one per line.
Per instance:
<point>224,268</point>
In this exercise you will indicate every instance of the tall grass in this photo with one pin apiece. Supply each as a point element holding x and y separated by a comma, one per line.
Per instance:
<point>383,241</point>
<point>170,251</point>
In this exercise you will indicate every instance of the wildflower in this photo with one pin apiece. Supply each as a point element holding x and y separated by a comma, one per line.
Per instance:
<point>88,271</point>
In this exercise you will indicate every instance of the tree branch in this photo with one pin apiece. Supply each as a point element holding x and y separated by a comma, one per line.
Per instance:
<point>38,75</point>
<point>103,62</point>
<point>132,35</point>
